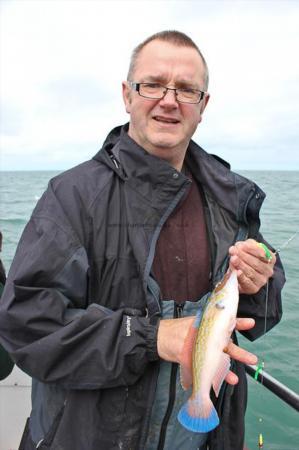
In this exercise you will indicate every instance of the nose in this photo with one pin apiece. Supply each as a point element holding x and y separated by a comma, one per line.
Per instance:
<point>169,99</point>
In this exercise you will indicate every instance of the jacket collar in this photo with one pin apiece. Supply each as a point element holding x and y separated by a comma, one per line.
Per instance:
<point>146,172</point>
<point>155,180</point>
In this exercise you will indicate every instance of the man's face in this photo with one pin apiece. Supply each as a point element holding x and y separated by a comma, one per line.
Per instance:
<point>164,127</point>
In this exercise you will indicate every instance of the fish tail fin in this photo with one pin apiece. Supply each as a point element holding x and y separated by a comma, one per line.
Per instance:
<point>198,415</point>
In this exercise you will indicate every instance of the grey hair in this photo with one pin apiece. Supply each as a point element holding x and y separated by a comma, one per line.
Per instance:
<point>174,37</point>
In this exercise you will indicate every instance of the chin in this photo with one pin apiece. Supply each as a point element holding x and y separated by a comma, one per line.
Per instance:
<point>164,142</point>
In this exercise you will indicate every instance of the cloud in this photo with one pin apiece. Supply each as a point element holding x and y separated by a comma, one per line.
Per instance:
<point>74,92</point>
<point>62,64</point>
<point>11,120</point>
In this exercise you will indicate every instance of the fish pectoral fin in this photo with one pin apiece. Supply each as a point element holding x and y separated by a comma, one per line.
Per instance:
<point>222,371</point>
<point>186,357</point>
<point>185,377</point>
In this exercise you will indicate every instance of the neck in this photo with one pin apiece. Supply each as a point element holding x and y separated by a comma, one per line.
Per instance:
<point>173,156</point>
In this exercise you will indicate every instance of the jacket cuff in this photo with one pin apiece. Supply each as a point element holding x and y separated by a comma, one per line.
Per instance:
<point>151,342</point>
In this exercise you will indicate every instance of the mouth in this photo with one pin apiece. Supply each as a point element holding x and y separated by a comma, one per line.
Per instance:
<point>166,120</point>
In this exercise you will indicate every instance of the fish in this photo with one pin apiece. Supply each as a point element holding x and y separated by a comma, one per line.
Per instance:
<point>208,362</point>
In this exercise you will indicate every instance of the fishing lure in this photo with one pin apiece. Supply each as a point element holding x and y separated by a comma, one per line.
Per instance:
<point>268,254</point>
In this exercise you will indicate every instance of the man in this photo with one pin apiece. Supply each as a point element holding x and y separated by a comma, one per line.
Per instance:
<point>144,228</point>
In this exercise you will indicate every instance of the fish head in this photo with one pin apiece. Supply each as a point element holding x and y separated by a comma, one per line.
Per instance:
<point>226,293</point>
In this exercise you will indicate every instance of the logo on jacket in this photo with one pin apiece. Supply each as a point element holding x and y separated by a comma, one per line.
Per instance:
<point>128,326</point>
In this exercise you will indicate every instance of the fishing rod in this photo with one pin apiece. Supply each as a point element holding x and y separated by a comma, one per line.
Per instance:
<point>276,387</point>
<point>257,372</point>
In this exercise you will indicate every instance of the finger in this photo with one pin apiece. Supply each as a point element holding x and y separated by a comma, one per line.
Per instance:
<point>244,324</point>
<point>250,246</point>
<point>250,264</point>
<point>241,354</point>
<point>250,280</point>
<point>231,378</point>
<point>255,248</point>
<point>250,283</point>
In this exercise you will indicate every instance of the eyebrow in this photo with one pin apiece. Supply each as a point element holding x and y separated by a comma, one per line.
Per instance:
<point>162,80</point>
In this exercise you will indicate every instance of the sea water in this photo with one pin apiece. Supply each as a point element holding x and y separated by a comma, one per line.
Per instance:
<point>19,192</point>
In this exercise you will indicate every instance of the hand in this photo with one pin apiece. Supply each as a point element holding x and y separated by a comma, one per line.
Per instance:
<point>252,266</point>
<point>171,337</point>
<point>238,353</point>
<point>172,334</point>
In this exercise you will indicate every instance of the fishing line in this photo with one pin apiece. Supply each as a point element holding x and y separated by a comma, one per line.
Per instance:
<point>260,368</point>
<point>261,365</point>
<point>286,243</point>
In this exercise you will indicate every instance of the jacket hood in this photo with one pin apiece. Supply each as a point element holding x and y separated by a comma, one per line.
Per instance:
<point>131,162</point>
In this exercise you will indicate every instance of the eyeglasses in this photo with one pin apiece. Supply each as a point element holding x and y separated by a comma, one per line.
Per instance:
<point>156,91</point>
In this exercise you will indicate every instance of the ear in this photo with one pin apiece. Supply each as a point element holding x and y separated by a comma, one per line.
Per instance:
<point>204,103</point>
<point>203,106</point>
<point>126,91</point>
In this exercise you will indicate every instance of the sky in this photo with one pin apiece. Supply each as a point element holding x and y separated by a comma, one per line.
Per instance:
<point>62,63</point>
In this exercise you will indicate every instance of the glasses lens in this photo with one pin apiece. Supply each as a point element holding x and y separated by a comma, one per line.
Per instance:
<point>151,90</point>
<point>156,91</point>
<point>188,96</point>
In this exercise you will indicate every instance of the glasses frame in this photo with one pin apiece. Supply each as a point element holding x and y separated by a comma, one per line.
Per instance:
<point>136,87</point>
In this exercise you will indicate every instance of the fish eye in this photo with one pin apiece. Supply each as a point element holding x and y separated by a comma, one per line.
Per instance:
<point>220,305</point>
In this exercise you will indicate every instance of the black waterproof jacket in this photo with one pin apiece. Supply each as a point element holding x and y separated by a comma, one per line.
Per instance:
<point>80,309</point>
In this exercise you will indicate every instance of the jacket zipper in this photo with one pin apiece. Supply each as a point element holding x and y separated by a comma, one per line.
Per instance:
<point>178,312</point>
<point>148,266</point>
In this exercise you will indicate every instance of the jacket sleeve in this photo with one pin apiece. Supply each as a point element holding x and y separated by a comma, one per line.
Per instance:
<point>6,364</point>
<point>266,302</point>
<point>44,321</point>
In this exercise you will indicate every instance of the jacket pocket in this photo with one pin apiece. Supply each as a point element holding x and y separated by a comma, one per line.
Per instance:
<point>46,442</point>
<point>111,408</point>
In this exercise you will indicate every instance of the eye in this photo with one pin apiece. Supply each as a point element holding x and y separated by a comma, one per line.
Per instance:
<point>220,305</point>
<point>188,91</point>
<point>151,85</point>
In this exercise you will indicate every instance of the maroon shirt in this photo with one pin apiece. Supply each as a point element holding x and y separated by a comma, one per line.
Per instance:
<point>182,261</point>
